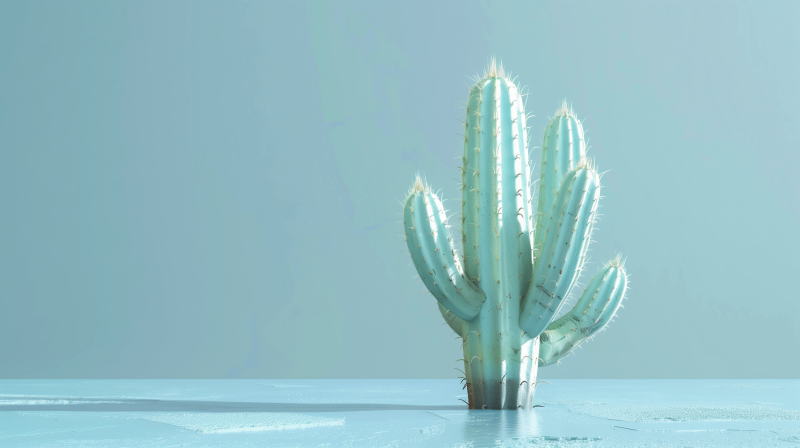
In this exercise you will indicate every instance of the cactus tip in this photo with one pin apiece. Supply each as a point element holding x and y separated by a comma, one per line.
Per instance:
<point>587,163</point>
<point>419,186</point>
<point>617,262</point>
<point>494,70</point>
<point>566,110</point>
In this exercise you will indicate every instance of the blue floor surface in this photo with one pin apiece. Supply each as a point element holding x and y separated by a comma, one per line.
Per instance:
<point>389,413</point>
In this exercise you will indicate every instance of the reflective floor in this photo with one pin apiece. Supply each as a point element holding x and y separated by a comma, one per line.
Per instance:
<point>387,413</point>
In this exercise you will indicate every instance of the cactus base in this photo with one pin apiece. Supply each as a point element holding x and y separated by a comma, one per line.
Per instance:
<point>501,383</point>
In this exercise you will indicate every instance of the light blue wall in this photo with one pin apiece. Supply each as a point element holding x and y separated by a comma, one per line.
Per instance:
<point>211,189</point>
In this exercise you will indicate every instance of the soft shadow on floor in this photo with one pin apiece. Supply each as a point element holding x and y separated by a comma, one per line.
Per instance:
<point>39,403</point>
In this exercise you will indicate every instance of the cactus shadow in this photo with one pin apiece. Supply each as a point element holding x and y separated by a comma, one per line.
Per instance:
<point>91,404</point>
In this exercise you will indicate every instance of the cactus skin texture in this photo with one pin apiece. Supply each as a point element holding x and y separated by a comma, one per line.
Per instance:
<point>518,267</point>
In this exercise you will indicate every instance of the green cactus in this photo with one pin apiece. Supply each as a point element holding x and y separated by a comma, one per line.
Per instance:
<point>502,295</point>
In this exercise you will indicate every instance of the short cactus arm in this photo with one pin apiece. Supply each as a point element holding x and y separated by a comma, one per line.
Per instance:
<point>594,310</point>
<point>435,257</point>
<point>564,249</point>
<point>562,149</point>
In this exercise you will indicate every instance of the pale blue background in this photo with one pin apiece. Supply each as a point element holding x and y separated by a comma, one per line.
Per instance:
<point>210,189</point>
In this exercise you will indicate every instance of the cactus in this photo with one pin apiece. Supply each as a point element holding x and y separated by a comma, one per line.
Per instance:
<point>502,295</point>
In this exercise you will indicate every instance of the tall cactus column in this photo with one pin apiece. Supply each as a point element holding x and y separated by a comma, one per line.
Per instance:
<point>512,280</point>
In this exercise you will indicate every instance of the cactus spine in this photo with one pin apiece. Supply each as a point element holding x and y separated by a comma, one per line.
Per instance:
<point>518,266</point>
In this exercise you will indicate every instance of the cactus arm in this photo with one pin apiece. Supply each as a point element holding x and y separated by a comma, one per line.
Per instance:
<point>564,247</point>
<point>563,147</point>
<point>594,310</point>
<point>455,322</point>
<point>435,258</point>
